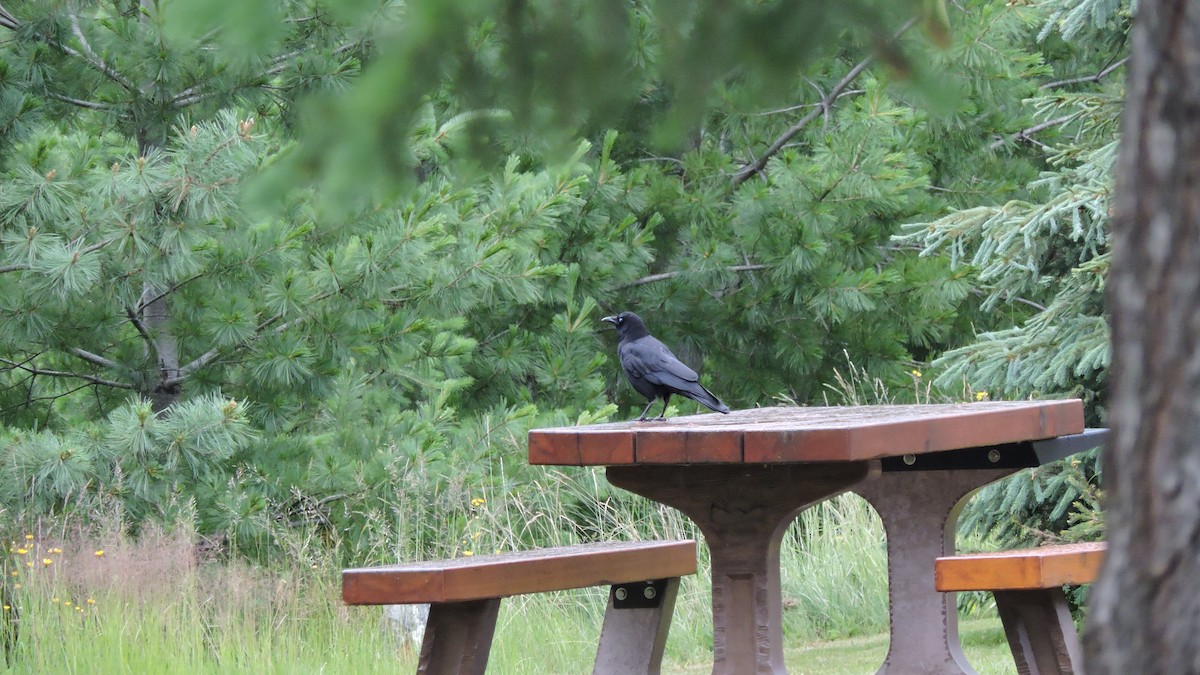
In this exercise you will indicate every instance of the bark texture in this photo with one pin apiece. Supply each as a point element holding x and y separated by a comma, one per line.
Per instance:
<point>1145,614</point>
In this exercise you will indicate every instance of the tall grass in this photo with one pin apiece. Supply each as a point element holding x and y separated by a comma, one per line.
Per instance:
<point>158,603</point>
<point>834,571</point>
<point>161,604</point>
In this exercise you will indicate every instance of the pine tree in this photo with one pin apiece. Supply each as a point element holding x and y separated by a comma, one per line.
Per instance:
<point>1045,257</point>
<point>110,66</point>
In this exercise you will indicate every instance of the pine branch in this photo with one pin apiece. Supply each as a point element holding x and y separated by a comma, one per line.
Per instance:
<point>141,328</point>
<point>663,276</point>
<point>758,164</point>
<point>10,22</point>
<point>1024,134</point>
<point>145,302</point>
<point>1086,78</point>
<point>794,108</point>
<point>196,93</point>
<point>208,356</point>
<point>29,399</point>
<point>92,58</point>
<point>61,373</point>
<point>91,105</point>
<point>14,268</point>
<point>823,107</point>
<point>93,358</point>
<point>7,20</point>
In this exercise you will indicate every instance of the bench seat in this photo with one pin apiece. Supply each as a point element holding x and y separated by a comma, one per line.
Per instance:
<point>1028,587</point>
<point>464,596</point>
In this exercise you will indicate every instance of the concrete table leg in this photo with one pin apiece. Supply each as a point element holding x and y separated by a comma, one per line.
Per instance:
<point>919,510</point>
<point>743,512</point>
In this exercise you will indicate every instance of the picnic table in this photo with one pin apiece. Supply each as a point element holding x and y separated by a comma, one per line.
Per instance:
<point>744,477</point>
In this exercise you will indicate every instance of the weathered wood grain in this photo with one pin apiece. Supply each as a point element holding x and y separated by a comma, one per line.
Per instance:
<point>1027,569</point>
<point>816,434</point>
<point>507,574</point>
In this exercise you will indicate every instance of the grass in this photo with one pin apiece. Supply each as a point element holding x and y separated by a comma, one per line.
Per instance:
<point>157,605</point>
<point>224,620</point>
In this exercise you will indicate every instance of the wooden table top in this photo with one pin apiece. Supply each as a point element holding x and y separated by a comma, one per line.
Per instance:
<point>806,434</point>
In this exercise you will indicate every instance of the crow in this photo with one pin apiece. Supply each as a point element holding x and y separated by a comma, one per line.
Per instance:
<point>653,370</point>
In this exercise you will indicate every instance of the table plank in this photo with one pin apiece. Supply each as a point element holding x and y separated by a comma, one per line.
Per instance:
<point>807,434</point>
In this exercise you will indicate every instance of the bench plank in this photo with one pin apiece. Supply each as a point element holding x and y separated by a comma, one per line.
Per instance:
<point>1028,569</point>
<point>1027,585</point>
<point>518,572</point>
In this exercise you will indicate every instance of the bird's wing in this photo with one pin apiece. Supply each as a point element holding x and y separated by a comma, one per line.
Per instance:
<point>650,359</point>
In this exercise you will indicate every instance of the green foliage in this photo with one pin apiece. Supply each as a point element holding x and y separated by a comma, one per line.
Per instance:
<point>145,460</point>
<point>1046,256</point>
<point>561,68</point>
<point>387,230</point>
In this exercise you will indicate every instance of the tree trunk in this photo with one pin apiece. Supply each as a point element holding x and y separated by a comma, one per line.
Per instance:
<point>156,315</point>
<point>1145,614</point>
<point>156,310</point>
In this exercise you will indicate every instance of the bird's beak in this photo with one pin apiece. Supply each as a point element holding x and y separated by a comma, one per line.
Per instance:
<point>610,319</point>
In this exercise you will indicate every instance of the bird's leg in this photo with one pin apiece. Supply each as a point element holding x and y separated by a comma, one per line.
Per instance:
<point>642,418</point>
<point>666,400</point>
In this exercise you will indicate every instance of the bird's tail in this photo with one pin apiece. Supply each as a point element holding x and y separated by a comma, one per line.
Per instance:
<point>706,398</point>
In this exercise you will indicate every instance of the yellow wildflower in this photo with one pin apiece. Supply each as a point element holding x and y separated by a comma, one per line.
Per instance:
<point>29,537</point>
<point>6,608</point>
<point>29,563</point>
<point>47,562</point>
<point>22,551</point>
<point>54,600</point>
<point>980,395</point>
<point>100,553</point>
<point>91,601</point>
<point>468,552</point>
<point>916,373</point>
<point>478,501</point>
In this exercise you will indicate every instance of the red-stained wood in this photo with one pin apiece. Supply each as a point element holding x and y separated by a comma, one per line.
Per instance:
<point>559,447</point>
<point>606,449</point>
<point>816,434</point>
<point>1027,585</point>
<point>515,573</point>
<point>1027,569</point>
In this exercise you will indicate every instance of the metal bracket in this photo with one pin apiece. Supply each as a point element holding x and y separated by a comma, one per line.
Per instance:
<point>638,595</point>
<point>1004,456</point>
<point>1064,446</point>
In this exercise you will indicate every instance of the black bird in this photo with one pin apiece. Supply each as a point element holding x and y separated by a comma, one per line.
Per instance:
<point>653,370</point>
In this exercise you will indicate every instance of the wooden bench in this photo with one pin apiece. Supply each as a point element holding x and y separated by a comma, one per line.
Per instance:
<point>464,596</point>
<point>1028,585</point>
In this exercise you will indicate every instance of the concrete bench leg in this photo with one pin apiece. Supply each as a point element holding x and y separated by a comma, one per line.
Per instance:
<point>1040,631</point>
<point>635,628</point>
<point>458,637</point>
